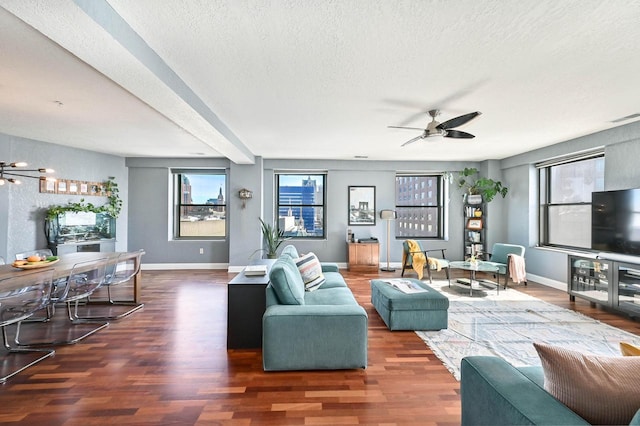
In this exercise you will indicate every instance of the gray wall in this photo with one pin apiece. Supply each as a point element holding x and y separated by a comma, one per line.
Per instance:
<point>381,174</point>
<point>146,188</point>
<point>23,207</point>
<point>150,199</point>
<point>150,203</point>
<point>622,150</point>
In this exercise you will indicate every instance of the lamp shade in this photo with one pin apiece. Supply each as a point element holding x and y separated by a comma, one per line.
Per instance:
<point>388,214</point>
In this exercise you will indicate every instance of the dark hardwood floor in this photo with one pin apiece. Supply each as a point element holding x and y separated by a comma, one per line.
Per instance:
<point>168,364</point>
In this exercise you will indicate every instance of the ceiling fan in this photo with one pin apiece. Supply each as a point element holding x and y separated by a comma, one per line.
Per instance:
<point>446,129</point>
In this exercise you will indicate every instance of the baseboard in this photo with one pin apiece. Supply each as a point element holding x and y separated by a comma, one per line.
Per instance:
<point>558,285</point>
<point>170,266</point>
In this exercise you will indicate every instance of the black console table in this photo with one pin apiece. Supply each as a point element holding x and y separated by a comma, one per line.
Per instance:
<point>246,303</point>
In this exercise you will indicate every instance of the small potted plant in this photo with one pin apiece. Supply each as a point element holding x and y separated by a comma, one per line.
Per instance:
<point>272,239</point>
<point>473,185</point>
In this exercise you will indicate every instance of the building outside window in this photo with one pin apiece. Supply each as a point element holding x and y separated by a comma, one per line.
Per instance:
<point>419,206</point>
<point>301,204</point>
<point>565,189</point>
<point>200,204</point>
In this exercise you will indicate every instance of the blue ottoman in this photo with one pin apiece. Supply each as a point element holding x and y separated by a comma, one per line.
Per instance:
<point>417,311</point>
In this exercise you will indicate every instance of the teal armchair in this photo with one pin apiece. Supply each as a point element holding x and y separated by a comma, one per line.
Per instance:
<point>499,257</point>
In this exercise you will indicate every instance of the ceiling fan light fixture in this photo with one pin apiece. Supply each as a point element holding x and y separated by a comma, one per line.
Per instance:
<point>446,129</point>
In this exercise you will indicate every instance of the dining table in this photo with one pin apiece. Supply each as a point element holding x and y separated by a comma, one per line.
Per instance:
<point>63,267</point>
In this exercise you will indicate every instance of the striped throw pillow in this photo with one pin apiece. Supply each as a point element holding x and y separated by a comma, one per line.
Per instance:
<point>603,390</point>
<point>311,271</point>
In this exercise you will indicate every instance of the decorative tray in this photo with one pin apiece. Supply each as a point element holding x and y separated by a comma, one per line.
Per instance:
<point>36,265</point>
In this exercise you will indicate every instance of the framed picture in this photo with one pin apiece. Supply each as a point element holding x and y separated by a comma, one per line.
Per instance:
<point>61,187</point>
<point>474,223</point>
<point>362,205</point>
<point>48,186</point>
<point>95,189</point>
<point>84,188</point>
<point>72,187</point>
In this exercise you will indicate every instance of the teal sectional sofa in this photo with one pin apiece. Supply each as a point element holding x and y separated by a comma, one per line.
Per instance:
<point>324,329</point>
<point>493,392</point>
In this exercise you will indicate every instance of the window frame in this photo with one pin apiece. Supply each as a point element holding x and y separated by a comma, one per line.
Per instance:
<point>545,203</point>
<point>278,204</point>
<point>178,204</point>
<point>441,205</point>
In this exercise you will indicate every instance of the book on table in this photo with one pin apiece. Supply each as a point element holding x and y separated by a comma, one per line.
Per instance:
<point>405,286</point>
<point>255,270</point>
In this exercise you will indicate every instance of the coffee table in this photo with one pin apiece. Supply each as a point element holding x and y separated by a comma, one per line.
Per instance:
<point>472,283</point>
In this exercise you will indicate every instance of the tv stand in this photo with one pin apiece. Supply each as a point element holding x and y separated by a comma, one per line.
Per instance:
<point>612,282</point>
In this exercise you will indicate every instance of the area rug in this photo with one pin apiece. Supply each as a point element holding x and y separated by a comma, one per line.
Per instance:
<point>507,324</point>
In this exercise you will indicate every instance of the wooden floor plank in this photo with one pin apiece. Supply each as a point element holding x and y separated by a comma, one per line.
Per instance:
<point>168,364</point>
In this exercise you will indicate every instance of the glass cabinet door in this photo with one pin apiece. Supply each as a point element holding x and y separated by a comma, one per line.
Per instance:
<point>589,278</point>
<point>628,288</point>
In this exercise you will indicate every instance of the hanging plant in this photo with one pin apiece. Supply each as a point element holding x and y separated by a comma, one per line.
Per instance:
<point>112,207</point>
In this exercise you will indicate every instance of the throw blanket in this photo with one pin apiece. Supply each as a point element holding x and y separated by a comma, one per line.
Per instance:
<point>418,259</point>
<point>517,270</point>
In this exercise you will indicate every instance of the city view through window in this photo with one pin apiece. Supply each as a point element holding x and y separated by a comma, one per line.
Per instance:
<point>201,205</point>
<point>419,206</point>
<point>301,204</point>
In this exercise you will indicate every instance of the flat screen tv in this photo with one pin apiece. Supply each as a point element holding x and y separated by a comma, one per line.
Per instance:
<point>615,221</point>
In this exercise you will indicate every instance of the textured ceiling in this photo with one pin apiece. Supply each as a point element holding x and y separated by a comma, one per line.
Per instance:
<point>301,79</point>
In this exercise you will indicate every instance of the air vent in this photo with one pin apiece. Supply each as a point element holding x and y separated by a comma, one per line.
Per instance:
<point>628,117</point>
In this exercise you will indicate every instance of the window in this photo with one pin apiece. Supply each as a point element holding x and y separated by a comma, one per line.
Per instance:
<point>200,204</point>
<point>419,206</point>
<point>565,200</point>
<point>300,201</point>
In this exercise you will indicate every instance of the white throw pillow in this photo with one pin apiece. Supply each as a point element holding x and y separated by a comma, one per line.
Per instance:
<point>603,390</point>
<point>311,271</point>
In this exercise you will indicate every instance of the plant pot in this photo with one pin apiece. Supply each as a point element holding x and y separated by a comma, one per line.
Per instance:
<point>474,199</point>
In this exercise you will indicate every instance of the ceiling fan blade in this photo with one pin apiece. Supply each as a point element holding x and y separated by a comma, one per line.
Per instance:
<point>402,127</point>
<point>458,121</point>
<point>412,140</point>
<point>414,117</point>
<point>458,134</point>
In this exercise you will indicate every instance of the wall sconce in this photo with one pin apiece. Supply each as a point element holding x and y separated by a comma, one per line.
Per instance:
<point>7,169</point>
<point>245,195</point>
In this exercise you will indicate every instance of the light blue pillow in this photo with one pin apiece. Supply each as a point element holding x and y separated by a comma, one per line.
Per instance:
<point>287,282</point>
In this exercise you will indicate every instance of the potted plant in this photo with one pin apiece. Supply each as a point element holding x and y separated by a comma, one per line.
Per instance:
<point>472,184</point>
<point>272,238</point>
<point>112,207</point>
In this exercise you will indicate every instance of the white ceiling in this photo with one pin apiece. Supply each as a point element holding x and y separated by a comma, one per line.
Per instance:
<point>315,80</point>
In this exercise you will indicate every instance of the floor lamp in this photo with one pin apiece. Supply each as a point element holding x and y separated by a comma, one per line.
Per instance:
<point>388,215</point>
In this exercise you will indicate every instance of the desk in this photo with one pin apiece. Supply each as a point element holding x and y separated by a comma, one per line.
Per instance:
<point>246,303</point>
<point>64,266</point>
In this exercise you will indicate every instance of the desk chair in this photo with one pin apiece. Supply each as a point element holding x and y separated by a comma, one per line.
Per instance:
<point>416,258</point>
<point>120,271</point>
<point>20,298</point>
<point>499,257</point>
<point>84,279</point>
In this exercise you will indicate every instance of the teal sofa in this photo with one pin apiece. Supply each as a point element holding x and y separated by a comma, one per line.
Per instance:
<point>324,329</point>
<point>493,392</point>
